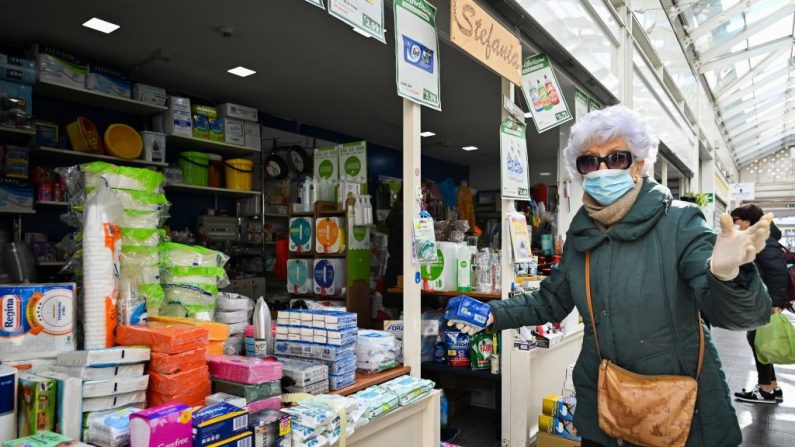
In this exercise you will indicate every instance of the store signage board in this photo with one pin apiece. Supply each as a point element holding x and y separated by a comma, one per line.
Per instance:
<point>485,39</point>
<point>542,92</point>
<point>514,168</point>
<point>417,53</point>
<point>743,191</point>
<point>366,16</point>
<point>318,3</point>
<point>580,104</point>
<point>513,109</point>
<point>710,197</point>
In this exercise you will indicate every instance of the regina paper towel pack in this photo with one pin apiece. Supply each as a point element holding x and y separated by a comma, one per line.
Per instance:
<point>37,320</point>
<point>299,276</point>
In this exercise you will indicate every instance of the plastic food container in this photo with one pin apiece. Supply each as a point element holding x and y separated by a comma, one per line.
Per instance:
<point>238,174</point>
<point>194,167</point>
<point>123,141</point>
<point>83,136</point>
<point>215,170</point>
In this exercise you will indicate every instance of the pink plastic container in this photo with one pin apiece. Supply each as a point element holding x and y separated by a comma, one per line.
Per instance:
<point>248,370</point>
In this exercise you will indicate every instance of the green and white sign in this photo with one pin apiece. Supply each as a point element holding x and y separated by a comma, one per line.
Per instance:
<point>367,16</point>
<point>318,3</point>
<point>542,92</point>
<point>326,163</point>
<point>353,162</point>
<point>593,105</point>
<point>514,167</point>
<point>580,104</point>
<point>417,53</point>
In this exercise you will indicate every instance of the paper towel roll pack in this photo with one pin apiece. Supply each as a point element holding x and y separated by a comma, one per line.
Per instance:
<point>38,320</point>
<point>299,276</point>
<point>301,234</point>
<point>330,235</point>
<point>329,277</point>
<point>440,275</point>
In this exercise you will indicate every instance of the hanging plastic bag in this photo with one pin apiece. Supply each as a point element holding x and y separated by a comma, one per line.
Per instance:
<point>142,237</point>
<point>775,341</point>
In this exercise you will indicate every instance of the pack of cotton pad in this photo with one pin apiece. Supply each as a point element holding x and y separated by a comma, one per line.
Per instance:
<point>101,372</point>
<point>96,388</point>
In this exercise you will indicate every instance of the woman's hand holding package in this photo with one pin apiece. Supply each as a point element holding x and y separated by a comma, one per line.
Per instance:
<point>734,247</point>
<point>471,330</point>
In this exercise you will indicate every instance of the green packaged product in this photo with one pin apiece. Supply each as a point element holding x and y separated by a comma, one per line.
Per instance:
<point>481,348</point>
<point>44,439</point>
<point>251,393</point>
<point>36,404</point>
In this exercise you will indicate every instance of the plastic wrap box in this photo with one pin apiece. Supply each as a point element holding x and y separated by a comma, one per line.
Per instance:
<point>97,388</point>
<point>104,357</point>
<point>252,392</point>
<point>218,422</point>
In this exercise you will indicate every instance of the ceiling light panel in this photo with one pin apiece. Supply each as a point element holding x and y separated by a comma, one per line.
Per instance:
<point>470,148</point>
<point>427,133</point>
<point>241,71</point>
<point>100,25</point>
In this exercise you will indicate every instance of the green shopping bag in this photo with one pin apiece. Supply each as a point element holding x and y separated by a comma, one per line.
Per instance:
<point>775,341</point>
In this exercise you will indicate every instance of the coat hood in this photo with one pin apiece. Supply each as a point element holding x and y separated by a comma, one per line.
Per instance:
<point>652,203</point>
<point>775,233</point>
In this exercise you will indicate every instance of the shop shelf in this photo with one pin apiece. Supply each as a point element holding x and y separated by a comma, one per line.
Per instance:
<point>17,211</point>
<point>68,154</point>
<point>209,190</point>
<point>95,99</point>
<point>51,203</point>
<point>51,263</point>
<point>277,216</point>
<point>476,295</point>
<point>460,371</point>
<point>303,214</point>
<point>179,143</point>
<point>14,135</point>
<point>367,380</point>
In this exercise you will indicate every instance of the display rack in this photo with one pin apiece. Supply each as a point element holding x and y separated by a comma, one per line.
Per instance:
<point>209,190</point>
<point>476,295</point>
<point>96,99</point>
<point>185,143</point>
<point>69,154</point>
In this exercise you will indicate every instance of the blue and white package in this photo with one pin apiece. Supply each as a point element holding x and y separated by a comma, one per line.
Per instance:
<point>217,422</point>
<point>109,428</point>
<point>467,310</point>
<point>417,54</point>
<point>343,366</point>
<point>341,337</point>
<point>409,388</point>
<point>338,321</point>
<point>342,381</point>
<point>316,415</point>
<point>376,350</point>
<point>313,351</point>
<point>37,320</point>
<point>378,401</point>
<point>108,81</point>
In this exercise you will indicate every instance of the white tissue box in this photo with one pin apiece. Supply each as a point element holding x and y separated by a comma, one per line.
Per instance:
<point>104,357</point>
<point>97,388</point>
<point>232,110</point>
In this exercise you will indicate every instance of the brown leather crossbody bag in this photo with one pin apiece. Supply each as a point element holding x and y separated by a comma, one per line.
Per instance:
<point>650,411</point>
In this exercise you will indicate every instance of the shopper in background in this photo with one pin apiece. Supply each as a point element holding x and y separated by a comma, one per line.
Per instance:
<point>773,269</point>
<point>655,263</point>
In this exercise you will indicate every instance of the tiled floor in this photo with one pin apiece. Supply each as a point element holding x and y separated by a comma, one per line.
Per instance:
<point>763,425</point>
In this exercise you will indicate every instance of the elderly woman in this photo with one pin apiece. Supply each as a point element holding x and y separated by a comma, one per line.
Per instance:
<point>654,264</point>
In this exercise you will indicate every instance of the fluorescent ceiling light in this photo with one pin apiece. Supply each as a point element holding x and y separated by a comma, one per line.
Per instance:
<point>241,71</point>
<point>544,174</point>
<point>101,25</point>
<point>470,148</point>
<point>427,133</point>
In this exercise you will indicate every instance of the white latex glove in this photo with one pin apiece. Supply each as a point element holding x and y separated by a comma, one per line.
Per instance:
<point>471,330</point>
<point>734,248</point>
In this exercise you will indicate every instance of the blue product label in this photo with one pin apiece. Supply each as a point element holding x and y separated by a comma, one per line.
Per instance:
<point>36,309</point>
<point>7,394</point>
<point>417,54</point>
<point>324,274</point>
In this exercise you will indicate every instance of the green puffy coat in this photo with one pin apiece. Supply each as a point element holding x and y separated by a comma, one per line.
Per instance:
<point>649,277</point>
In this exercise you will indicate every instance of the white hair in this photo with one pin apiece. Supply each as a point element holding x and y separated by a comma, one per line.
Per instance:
<point>603,125</point>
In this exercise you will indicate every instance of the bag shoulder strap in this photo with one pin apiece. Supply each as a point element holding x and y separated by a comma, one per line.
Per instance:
<point>593,320</point>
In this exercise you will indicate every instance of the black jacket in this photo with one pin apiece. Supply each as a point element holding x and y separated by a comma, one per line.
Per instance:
<point>773,268</point>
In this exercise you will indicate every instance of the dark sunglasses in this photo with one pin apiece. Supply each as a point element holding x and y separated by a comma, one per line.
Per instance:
<point>614,160</point>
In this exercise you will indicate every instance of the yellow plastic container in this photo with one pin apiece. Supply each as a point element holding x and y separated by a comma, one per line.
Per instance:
<point>238,173</point>
<point>83,136</point>
<point>123,141</point>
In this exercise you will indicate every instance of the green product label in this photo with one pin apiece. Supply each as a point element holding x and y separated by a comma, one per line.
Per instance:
<point>325,169</point>
<point>562,115</point>
<point>359,233</point>
<point>433,271</point>
<point>371,25</point>
<point>353,166</point>
<point>429,96</point>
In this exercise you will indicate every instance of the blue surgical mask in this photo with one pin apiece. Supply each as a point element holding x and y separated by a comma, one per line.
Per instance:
<point>608,185</point>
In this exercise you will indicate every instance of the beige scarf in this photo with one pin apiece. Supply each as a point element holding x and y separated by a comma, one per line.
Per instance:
<point>607,216</point>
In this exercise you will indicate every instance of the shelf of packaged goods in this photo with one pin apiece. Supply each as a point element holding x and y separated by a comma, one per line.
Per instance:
<point>180,143</point>
<point>331,213</point>
<point>476,295</point>
<point>96,99</point>
<point>68,154</point>
<point>209,190</point>
<point>52,203</point>
<point>367,380</point>
<point>444,368</point>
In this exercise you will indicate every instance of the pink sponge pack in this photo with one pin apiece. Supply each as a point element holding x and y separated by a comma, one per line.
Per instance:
<point>246,370</point>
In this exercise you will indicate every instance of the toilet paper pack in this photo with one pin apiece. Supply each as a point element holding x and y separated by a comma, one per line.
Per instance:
<point>104,357</point>
<point>37,320</point>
